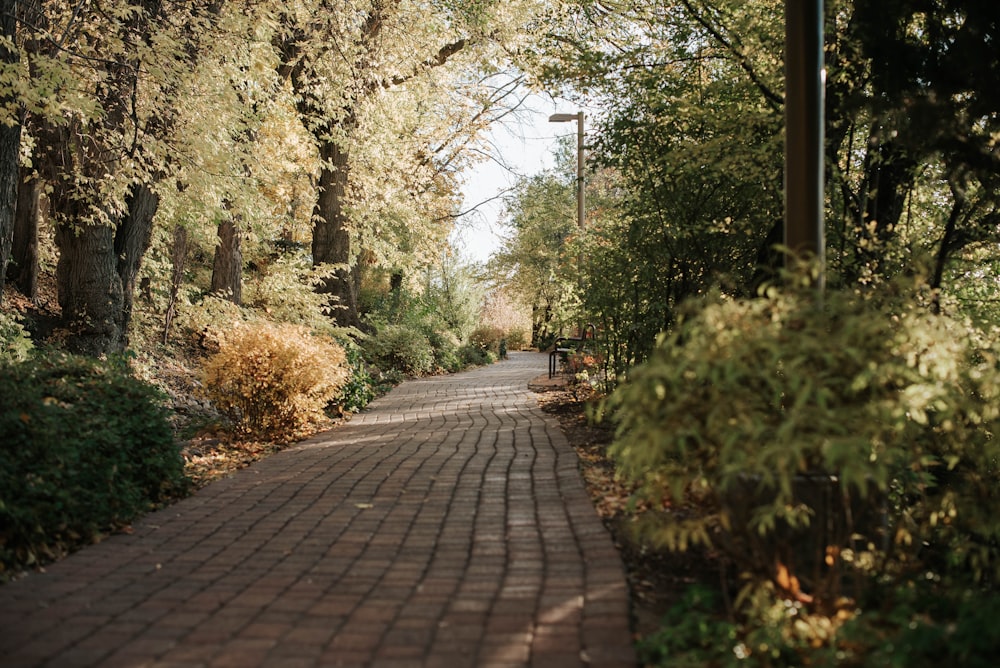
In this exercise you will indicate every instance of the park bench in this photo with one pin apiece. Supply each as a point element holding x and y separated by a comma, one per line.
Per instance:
<point>564,345</point>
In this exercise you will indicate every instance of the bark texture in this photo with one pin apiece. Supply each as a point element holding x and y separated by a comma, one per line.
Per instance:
<point>331,242</point>
<point>10,143</point>
<point>23,268</point>
<point>227,267</point>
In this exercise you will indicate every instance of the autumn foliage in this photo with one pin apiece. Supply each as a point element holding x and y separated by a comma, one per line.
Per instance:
<point>274,381</point>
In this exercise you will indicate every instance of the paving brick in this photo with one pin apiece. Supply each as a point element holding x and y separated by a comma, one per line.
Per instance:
<point>446,525</point>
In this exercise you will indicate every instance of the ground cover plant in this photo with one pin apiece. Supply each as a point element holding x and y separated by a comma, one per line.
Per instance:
<point>839,455</point>
<point>84,448</point>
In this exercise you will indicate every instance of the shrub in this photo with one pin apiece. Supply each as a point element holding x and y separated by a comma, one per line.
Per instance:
<point>285,290</point>
<point>518,339</point>
<point>208,319</point>
<point>445,346</point>
<point>487,337</point>
<point>15,344</point>
<point>402,348</point>
<point>360,388</point>
<point>692,633</point>
<point>274,381</point>
<point>473,355</point>
<point>85,447</point>
<point>821,439</point>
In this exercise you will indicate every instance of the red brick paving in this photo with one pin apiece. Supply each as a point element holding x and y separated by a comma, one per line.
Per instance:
<point>445,526</point>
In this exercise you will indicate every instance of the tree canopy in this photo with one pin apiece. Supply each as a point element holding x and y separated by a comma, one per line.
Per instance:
<point>351,119</point>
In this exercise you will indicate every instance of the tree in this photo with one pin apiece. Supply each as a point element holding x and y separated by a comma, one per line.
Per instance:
<point>912,101</point>
<point>685,166</point>
<point>360,71</point>
<point>536,264</point>
<point>104,162</point>
<point>10,136</point>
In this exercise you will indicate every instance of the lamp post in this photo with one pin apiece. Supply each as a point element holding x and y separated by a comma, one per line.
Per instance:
<point>578,117</point>
<point>804,120</point>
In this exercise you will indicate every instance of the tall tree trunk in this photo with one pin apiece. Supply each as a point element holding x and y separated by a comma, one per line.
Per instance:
<point>10,142</point>
<point>99,262</point>
<point>132,240</point>
<point>227,268</point>
<point>90,289</point>
<point>331,242</point>
<point>23,267</point>
<point>97,271</point>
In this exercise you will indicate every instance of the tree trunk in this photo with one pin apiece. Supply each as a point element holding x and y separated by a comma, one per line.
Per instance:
<point>10,143</point>
<point>90,289</point>
<point>331,239</point>
<point>23,268</point>
<point>96,274</point>
<point>132,239</point>
<point>227,268</point>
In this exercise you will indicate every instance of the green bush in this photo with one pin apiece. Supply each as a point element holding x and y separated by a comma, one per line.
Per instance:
<point>824,442</point>
<point>15,344</point>
<point>275,381</point>
<point>518,339</point>
<point>445,346</point>
<point>474,355</point>
<point>360,388</point>
<point>402,348</point>
<point>693,634</point>
<point>85,447</point>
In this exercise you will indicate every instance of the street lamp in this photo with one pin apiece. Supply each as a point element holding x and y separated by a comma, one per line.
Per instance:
<point>804,120</point>
<point>578,117</point>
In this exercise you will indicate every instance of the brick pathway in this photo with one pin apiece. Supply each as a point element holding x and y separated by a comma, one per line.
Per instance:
<point>446,526</point>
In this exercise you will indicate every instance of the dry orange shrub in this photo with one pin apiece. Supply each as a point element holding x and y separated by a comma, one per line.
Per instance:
<point>274,380</point>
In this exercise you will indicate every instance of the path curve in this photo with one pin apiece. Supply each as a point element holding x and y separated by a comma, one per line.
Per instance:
<point>444,526</point>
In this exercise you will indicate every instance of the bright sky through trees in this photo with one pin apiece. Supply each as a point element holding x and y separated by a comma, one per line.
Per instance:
<point>522,146</point>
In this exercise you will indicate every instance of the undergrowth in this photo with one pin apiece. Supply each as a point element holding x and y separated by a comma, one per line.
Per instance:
<point>86,447</point>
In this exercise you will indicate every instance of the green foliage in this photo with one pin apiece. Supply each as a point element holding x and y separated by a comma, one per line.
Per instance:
<point>820,439</point>
<point>453,295</point>
<point>417,333</point>
<point>208,318</point>
<point>274,381</point>
<point>15,344</point>
<point>928,625</point>
<point>445,346</point>
<point>402,348</point>
<point>518,339</point>
<point>285,290</point>
<point>536,268</point>
<point>476,355</point>
<point>360,388</point>
<point>85,446</point>
<point>694,634</point>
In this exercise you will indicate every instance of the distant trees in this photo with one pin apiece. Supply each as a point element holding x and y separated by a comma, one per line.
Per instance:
<point>535,265</point>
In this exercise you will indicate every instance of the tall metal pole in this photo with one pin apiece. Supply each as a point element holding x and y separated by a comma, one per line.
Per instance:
<point>580,190</point>
<point>804,135</point>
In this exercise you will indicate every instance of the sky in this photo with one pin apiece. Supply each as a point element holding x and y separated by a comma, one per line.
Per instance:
<point>523,147</point>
